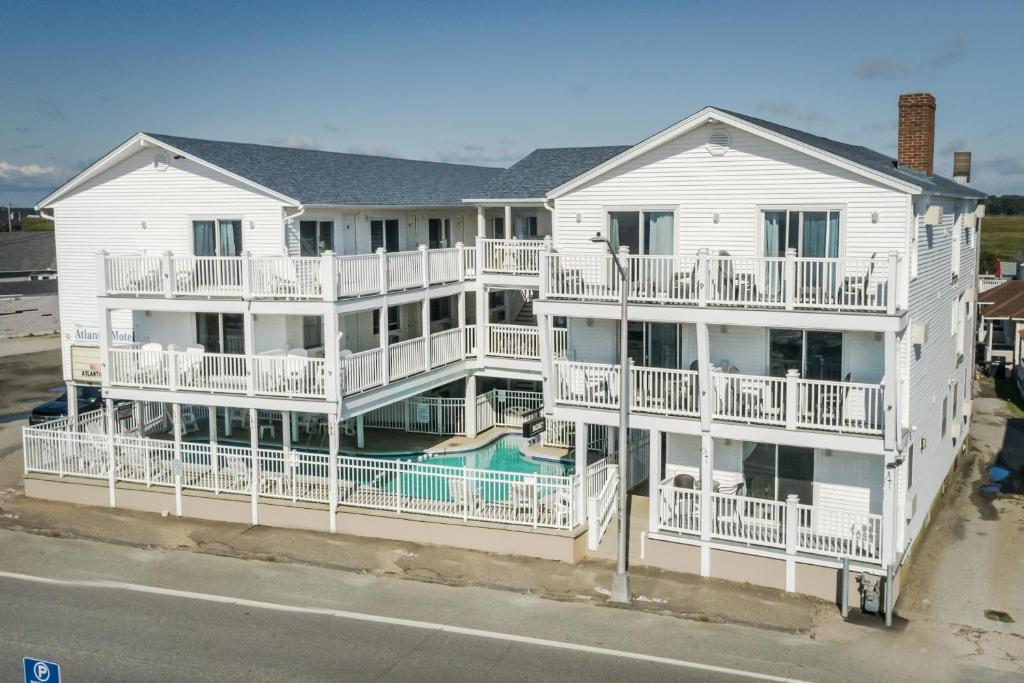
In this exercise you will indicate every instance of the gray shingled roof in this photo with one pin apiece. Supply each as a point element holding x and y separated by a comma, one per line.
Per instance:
<point>545,169</point>
<point>27,252</point>
<point>867,157</point>
<point>316,177</point>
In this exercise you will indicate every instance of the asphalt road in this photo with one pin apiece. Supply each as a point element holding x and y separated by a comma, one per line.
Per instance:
<point>110,634</point>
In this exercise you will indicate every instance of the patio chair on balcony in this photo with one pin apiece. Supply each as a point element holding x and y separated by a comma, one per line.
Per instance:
<point>522,495</point>
<point>149,370</point>
<point>856,290</point>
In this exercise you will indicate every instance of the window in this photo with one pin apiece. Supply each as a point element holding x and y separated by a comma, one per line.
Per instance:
<point>526,227</point>
<point>816,354</point>
<point>217,237</point>
<point>774,472</point>
<point>945,415</point>
<point>439,233</point>
<point>644,232</point>
<point>315,237</point>
<point>220,332</point>
<point>394,321</point>
<point>312,332</point>
<point>498,227</point>
<point>384,233</point>
<point>440,308</point>
<point>957,236</point>
<point>813,234</point>
<point>910,467</point>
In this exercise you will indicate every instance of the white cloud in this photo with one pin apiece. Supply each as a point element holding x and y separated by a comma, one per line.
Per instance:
<point>13,172</point>
<point>296,141</point>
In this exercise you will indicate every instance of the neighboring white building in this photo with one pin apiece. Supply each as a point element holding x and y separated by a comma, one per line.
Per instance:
<point>800,316</point>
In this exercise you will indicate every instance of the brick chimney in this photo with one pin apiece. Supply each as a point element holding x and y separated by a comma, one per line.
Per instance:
<point>917,132</point>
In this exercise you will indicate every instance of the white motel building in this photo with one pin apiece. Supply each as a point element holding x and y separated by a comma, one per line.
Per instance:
<point>352,343</point>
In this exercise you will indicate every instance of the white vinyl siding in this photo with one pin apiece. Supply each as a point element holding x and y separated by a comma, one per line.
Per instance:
<point>755,173</point>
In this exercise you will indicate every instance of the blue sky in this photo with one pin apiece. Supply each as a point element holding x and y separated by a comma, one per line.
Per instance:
<point>486,83</point>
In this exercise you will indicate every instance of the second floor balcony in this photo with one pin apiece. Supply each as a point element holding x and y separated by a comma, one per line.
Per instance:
<point>789,402</point>
<point>296,373</point>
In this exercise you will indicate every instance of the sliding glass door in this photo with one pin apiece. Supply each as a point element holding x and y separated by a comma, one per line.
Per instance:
<point>315,237</point>
<point>644,232</point>
<point>217,238</point>
<point>384,233</point>
<point>813,234</point>
<point>816,354</point>
<point>773,472</point>
<point>654,345</point>
<point>220,332</point>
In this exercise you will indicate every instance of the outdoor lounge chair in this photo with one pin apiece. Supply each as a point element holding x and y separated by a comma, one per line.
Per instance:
<point>465,497</point>
<point>856,289</point>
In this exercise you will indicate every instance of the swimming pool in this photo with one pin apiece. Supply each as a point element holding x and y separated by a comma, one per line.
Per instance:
<point>501,455</point>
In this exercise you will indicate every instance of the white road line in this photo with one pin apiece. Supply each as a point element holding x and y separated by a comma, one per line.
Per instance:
<point>395,621</point>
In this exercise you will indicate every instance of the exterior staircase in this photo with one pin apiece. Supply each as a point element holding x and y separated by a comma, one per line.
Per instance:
<point>525,315</point>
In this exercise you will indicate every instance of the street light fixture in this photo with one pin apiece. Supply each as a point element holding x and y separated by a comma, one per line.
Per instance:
<point>620,581</point>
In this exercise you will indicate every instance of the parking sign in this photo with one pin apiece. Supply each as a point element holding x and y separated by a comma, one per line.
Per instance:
<point>41,671</point>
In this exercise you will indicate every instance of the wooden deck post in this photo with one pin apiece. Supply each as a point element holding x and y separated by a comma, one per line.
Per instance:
<point>177,466</point>
<point>654,478</point>
<point>332,475</point>
<point>254,447</point>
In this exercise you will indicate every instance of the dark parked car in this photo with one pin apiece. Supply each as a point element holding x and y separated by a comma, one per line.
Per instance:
<point>89,398</point>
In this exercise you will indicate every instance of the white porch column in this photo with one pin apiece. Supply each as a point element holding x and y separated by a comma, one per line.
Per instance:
<point>104,339</point>
<point>707,476</point>
<point>425,327</point>
<point>382,328</point>
<point>547,384</point>
<point>654,482</point>
<point>461,306</point>
<point>111,464</point>
<point>140,418</point>
<point>481,223</point>
<point>704,375</point>
<point>580,451</point>
<point>508,222</point>
<point>286,432</point>
<point>254,447</point>
<point>889,510</point>
<point>211,421</point>
<point>988,342</point>
<point>482,316</point>
<point>360,432</point>
<point>72,405</point>
<point>249,341</point>
<point>332,475</point>
<point>332,363</point>
<point>176,423</point>
<point>471,406</point>
<point>890,381</point>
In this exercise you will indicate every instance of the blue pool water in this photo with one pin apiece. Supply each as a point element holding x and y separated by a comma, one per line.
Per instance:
<point>501,455</point>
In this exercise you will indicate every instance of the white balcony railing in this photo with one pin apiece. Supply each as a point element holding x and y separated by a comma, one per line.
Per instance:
<point>513,341</point>
<point>789,402</point>
<point>749,398</point>
<point>790,282</point>
<point>211,276</point>
<point>406,358</point>
<point>248,276</point>
<point>789,525</point>
<point>270,374</point>
<point>511,257</point>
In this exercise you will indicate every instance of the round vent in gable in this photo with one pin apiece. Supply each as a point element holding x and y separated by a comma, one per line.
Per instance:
<point>161,161</point>
<point>718,142</point>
